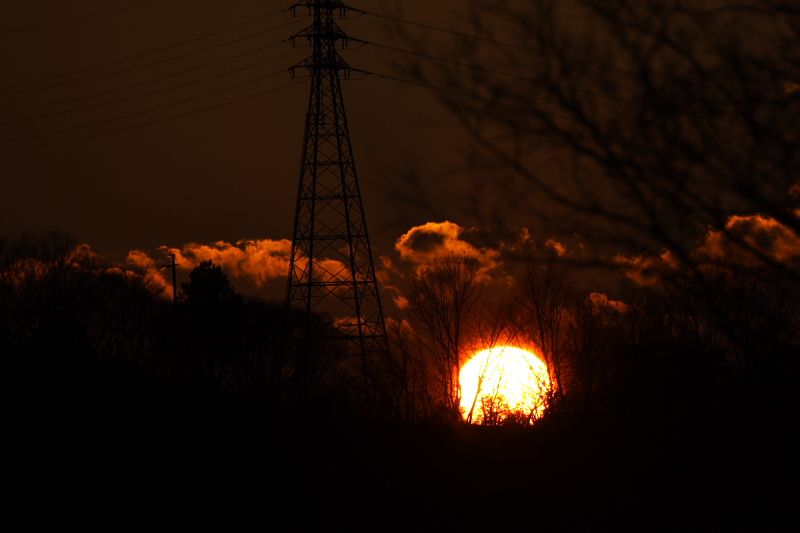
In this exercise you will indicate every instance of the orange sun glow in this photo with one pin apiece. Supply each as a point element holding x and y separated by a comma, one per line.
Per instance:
<point>502,383</point>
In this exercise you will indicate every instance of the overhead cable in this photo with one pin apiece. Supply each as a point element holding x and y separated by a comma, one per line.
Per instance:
<point>498,72</point>
<point>80,18</point>
<point>530,80</point>
<point>513,106</point>
<point>501,43</point>
<point>143,112</point>
<point>153,52</point>
<point>154,92</point>
<point>135,126</point>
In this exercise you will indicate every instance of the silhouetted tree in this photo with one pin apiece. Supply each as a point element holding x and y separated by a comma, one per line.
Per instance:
<point>592,342</point>
<point>402,376</point>
<point>210,320</point>
<point>546,296</point>
<point>636,124</point>
<point>208,285</point>
<point>60,299</point>
<point>441,303</point>
<point>492,325</point>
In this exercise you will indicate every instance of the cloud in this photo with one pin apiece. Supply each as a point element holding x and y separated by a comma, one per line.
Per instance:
<point>31,271</point>
<point>398,327</point>
<point>151,271</point>
<point>648,270</point>
<point>140,259</point>
<point>397,295</point>
<point>423,244</point>
<point>792,87</point>
<point>794,190</point>
<point>523,245</point>
<point>386,268</point>
<point>600,300</point>
<point>259,260</point>
<point>745,238</point>
<point>556,246</point>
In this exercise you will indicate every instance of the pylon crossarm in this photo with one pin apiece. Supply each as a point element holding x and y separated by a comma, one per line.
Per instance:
<point>331,265</point>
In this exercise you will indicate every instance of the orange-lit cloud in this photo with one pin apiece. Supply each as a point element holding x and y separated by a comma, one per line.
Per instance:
<point>150,270</point>
<point>794,190</point>
<point>259,260</point>
<point>556,246</point>
<point>397,295</point>
<point>434,240</point>
<point>386,268</point>
<point>33,271</point>
<point>256,260</point>
<point>792,87</point>
<point>523,242</point>
<point>140,259</point>
<point>648,270</point>
<point>524,245</point>
<point>747,237</point>
<point>599,299</point>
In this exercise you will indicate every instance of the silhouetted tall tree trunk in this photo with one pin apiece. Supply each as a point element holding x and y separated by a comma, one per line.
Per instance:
<point>442,300</point>
<point>546,295</point>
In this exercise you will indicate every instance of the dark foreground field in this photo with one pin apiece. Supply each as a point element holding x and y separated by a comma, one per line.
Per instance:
<point>98,446</point>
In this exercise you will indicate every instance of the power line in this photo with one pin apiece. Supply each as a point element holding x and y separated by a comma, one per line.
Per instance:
<point>500,43</point>
<point>139,83</point>
<point>460,93</point>
<point>155,121</point>
<point>154,92</point>
<point>80,18</point>
<point>153,63</point>
<point>143,112</point>
<point>151,53</point>
<point>498,72</point>
<point>519,107</point>
<point>531,80</point>
<point>497,42</point>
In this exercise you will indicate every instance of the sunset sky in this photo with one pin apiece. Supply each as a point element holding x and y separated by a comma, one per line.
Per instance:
<point>226,174</point>
<point>221,183</point>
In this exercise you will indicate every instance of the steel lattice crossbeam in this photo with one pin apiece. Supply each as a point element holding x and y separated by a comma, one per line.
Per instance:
<point>332,270</point>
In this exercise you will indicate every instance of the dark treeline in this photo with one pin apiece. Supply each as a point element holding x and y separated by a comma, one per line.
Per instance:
<point>728,338</point>
<point>674,383</point>
<point>62,304</point>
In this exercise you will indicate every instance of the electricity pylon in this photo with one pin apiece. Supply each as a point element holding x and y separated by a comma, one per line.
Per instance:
<point>332,270</point>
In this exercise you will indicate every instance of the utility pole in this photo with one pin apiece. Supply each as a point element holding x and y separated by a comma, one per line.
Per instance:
<point>331,261</point>
<point>174,266</point>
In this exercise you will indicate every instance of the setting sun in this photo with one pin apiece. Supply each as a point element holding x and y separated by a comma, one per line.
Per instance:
<point>501,383</point>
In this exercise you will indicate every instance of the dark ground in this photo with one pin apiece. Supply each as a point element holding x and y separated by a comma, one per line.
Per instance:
<point>98,446</point>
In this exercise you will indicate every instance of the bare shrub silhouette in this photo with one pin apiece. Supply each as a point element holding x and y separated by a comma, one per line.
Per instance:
<point>492,325</point>
<point>545,297</point>
<point>594,336</point>
<point>59,299</point>
<point>441,305</point>
<point>644,129</point>
<point>405,376</point>
<point>634,124</point>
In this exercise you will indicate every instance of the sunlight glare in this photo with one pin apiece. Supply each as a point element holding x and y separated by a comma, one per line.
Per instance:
<point>501,382</point>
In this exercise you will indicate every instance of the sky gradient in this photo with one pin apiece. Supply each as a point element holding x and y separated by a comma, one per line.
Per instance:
<point>225,174</point>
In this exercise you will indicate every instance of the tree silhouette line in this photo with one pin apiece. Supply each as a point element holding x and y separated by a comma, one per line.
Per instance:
<point>664,350</point>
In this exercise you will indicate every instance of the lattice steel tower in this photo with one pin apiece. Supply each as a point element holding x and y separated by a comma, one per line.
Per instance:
<point>331,264</point>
